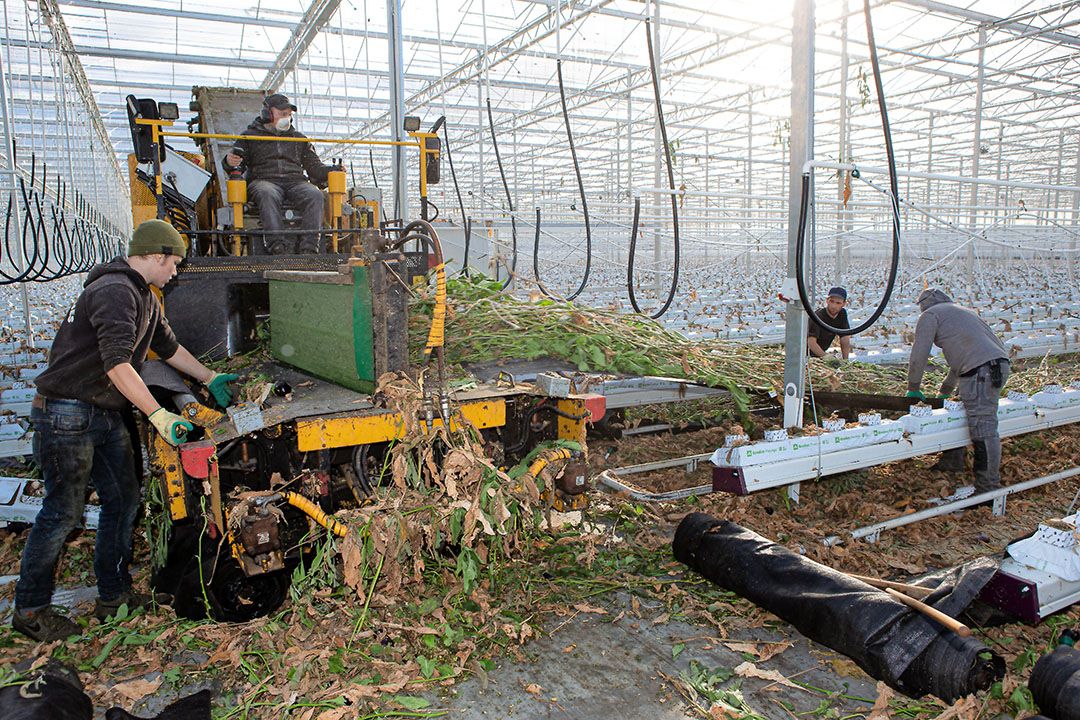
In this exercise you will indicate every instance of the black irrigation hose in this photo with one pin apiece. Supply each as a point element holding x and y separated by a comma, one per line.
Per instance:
<point>466,223</point>
<point>671,186</point>
<point>53,238</point>
<point>800,244</point>
<point>581,194</point>
<point>371,161</point>
<point>509,200</point>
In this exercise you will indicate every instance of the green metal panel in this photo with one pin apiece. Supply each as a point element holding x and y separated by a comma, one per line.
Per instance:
<point>362,324</point>
<point>324,327</point>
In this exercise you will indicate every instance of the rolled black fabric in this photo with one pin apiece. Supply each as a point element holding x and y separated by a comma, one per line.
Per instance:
<point>883,636</point>
<point>1055,684</point>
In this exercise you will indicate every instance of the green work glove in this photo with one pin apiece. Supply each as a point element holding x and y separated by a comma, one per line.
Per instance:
<point>171,426</point>
<point>917,394</point>
<point>218,386</point>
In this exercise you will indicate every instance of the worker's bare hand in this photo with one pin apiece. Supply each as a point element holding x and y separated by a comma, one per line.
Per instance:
<point>233,160</point>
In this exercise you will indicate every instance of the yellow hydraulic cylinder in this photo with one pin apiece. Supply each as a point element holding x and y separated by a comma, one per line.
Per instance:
<point>236,194</point>
<point>335,185</point>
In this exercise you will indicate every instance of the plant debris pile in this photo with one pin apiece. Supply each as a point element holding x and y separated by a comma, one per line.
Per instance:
<point>490,324</point>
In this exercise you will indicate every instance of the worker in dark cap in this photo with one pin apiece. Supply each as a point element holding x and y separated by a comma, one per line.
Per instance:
<point>280,171</point>
<point>979,363</point>
<point>80,429</point>
<point>833,314</point>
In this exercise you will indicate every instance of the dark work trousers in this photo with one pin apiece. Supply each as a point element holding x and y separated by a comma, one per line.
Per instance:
<point>270,196</point>
<point>76,444</point>
<point>980,400</point>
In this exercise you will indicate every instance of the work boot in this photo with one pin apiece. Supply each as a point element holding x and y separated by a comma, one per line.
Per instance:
<point>980,464</point>
<point>951,461</point>
<point>44,624</point>
<point>105,609</point>
<point>277,248</point>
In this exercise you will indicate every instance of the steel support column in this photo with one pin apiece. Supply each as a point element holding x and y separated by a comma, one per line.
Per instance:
<point>976,151</point>
<point>802,151</point>
<point>397,105</point>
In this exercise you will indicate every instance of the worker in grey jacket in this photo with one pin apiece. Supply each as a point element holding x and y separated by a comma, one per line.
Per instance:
<point>978,361</point>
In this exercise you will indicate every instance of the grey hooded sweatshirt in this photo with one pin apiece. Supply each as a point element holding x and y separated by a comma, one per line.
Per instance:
<point>965,340</point>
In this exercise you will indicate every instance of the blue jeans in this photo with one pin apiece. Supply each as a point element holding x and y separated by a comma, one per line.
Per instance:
<point>308,199</point>
<point>76,443</point>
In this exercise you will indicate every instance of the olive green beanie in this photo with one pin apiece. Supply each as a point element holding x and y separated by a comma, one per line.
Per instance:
<point>156,236</point>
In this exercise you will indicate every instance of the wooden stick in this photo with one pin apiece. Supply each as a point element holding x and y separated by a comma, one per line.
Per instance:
<point>914,591</point>
<point>951,623</point>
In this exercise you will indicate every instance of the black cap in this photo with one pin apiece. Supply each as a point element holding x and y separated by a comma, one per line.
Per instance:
<point>279,101</point>
<point>838,292</point>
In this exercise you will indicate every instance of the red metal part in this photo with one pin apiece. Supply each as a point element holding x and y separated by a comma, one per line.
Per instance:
<point>197,458</point>
<point>596,405</point>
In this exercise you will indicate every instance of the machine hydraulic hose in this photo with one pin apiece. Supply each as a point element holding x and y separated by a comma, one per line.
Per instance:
<point>509,200</point>
<point>800,243</point>
<point>671,186</point>
<point>316,513</point>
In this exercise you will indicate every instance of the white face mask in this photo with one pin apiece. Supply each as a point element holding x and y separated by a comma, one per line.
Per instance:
<point>283,124</point>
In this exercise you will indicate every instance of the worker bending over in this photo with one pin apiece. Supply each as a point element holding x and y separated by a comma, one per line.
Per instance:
<point>833,314</point>
<point>978,361</point>
<point>278,171</point>
<point>80,433</point>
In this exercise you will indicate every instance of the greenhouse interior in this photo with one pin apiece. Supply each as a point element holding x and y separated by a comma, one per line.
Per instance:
<point>540,359</point>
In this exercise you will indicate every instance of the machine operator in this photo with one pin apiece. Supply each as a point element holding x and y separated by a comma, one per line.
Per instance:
<point>977,361</point>
<point>80,415</point>
<point>818,339</point>
<point>280,171</point>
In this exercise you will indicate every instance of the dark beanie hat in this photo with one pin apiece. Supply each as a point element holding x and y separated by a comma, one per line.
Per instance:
<point>156,236</point>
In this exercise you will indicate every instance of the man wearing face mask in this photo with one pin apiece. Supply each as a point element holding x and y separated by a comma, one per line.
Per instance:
<point>277,171</point>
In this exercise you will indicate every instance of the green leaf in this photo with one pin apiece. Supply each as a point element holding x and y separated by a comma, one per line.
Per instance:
<point>336,664</point>
<point>427,667</point>
<point>677,649</point>
<point>411,702</point>
<point>468,568</point>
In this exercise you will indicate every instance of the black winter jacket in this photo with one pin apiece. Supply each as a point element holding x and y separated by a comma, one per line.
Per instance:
<point>116,320</point>
<point>283,162</point>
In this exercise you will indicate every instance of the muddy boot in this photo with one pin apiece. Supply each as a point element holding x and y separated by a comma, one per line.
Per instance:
<point>951,461</point>
<point>985,481</point>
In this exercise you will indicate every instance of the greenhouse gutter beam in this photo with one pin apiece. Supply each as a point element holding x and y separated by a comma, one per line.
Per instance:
<point>997,22</point>
<point>318,14</point>
<point>746,480</point>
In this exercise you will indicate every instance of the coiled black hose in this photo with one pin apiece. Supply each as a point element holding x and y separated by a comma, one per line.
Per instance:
<point>509,200</point>
<point>671,186</point>
<point>52,238</point>
<point>800,242</point>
